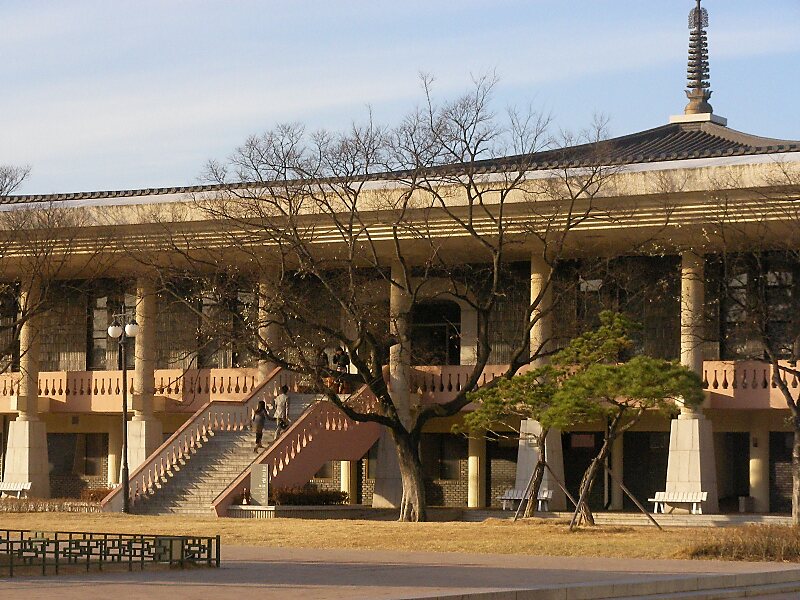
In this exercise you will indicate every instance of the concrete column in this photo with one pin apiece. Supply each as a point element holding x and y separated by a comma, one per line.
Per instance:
<point>388,485</point>
<point>348,470</point>
<point>759,464</point>
<point>692,311</point>
<point>26,455</point>
<point>541,289</point>
<point>400,353</point>
<point>269,332</point>
<point>617,466</point>
<point>145,432</point>
<point>541,332</point>
<point>691,466</point>
<point>476,473</point>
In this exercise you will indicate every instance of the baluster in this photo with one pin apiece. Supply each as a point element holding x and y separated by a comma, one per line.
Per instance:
<point>95,388</point>
<point>715,383</point>
<point>764,382</point>
<point>441,382</point>
<point>116,391</point>
<point>725,379</point>
<point>237,389</point>
<point>705,379</point>
<point>244,387</point>
<point>5,383</point>
<point>214,386</point>
<point>161,385</point>
<point>66,386</point>
<point>458,382</point>
<point>735,379</point>
<point>39,385</point>
<point>199,385</point>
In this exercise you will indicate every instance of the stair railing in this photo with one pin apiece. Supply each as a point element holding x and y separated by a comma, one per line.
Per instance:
<point>215,415</point>
<point>320,416</point>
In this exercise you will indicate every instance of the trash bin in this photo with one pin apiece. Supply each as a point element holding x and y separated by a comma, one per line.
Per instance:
<point>746,504</point>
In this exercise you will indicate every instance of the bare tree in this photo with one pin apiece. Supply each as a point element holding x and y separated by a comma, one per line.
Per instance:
<point>343,236</point>
<point>11,177</point>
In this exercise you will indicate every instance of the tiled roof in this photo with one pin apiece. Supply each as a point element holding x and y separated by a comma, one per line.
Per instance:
<point>676,141</point>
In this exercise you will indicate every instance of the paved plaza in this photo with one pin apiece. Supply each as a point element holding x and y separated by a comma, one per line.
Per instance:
<point>266,573</point>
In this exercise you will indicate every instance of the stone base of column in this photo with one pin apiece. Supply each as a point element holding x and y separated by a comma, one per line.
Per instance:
<point>144,438</point>
<point>528,456</point>
<point>388,491</point>
<point>691,466</point>
<point>26,456</point>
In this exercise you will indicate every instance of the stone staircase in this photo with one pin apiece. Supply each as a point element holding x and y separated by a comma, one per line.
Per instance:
<point>217,460</point>
<point>192,489</point>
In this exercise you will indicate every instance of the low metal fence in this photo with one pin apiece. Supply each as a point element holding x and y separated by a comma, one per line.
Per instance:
<point>49,552</point>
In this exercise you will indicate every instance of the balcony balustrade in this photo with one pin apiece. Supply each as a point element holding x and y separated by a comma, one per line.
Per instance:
<point>730,385</point>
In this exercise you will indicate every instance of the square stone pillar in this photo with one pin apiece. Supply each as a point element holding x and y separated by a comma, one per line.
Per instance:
<point>144,438</point>
<point>388,486</point>
<point>691,466</point>
<point>26,456</point>
<point>26,450</point>
<point>528,456</point>
<point>476,472</point>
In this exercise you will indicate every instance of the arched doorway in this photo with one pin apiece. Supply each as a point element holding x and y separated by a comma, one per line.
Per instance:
<point>436,333</point>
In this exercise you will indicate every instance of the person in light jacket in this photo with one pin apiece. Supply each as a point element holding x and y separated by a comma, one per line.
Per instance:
<point>281,411</point>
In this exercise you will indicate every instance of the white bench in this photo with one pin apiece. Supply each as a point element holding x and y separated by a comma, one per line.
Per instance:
<point>696,499</point>
<point>14,487</point>
<point>542,504</point>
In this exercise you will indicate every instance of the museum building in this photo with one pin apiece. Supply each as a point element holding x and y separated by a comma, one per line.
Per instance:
<point>680,199</point>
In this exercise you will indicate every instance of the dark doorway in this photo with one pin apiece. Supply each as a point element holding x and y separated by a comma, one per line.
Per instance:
<point>579,449</point>
<point>436,333</point>
<point>644,464</point>
<point>733,473</point>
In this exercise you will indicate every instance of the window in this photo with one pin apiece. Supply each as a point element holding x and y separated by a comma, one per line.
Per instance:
<point>441,455</point>
<point>104,303</point>
<point>325,471</point>
<point>77,453</point>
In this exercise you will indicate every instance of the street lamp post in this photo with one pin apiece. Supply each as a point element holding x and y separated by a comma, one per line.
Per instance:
<point>121,329</point>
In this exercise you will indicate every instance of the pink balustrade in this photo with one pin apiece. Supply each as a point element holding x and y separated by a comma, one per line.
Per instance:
<point>323,433</point>
<point>101,391</point>
<point>437,384</point>
<point>215,415</point>
<point>746,385</point>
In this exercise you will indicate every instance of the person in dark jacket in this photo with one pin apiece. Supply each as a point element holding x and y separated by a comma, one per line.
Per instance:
<point>259,419</point>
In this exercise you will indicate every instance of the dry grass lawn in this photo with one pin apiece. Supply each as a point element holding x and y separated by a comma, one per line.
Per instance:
<point>532,537</point>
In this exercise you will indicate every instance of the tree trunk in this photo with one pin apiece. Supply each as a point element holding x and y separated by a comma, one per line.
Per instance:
<point>413,504</point>
<point>538,475</point>
<point>589,478</point>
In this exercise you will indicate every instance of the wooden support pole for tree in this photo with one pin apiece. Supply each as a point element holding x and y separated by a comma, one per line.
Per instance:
<point>632,497</point>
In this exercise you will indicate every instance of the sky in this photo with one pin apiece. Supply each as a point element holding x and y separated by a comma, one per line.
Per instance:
<point>118,94</point>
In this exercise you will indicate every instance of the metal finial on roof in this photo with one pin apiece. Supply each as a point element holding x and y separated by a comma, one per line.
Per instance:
<point>698,76</point>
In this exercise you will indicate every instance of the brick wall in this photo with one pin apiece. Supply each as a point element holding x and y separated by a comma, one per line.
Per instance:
<point>502,470</point>
<point>329,483</point>
<point>780,472</point>
<point>71,485</point>
<point>448,492</point>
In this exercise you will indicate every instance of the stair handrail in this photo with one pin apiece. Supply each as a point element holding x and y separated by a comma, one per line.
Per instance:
<point>214,415</point>
<point>320,415</point>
